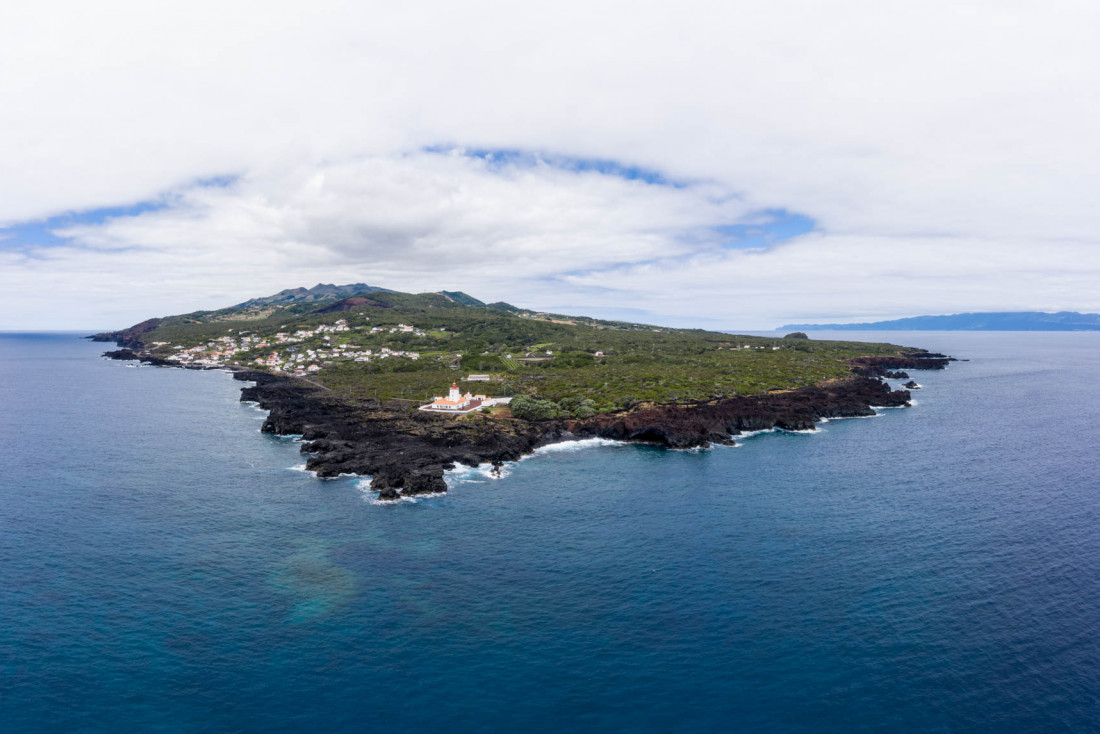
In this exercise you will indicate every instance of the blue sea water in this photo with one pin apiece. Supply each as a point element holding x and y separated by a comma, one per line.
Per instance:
<point>164,568</point>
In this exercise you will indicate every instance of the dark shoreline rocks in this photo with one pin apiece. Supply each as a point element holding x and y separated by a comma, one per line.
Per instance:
<point>884,366</point>
<point>406,451</point>
<point>129,355</point>
<point>690,426</point>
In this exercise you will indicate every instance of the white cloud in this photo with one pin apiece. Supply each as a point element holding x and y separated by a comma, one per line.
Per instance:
<point>850,278</point>
<point>946,152</point>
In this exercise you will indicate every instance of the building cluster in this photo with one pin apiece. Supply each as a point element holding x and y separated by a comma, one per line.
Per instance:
<point>294,360</point>
<point>399,329</point>
<point>323,330</point>
<point>305,361</point>
<point>742,347</point>
<point>217,352</point>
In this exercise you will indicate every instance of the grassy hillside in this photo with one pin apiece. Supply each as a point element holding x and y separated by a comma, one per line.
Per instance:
<point>546,356</point>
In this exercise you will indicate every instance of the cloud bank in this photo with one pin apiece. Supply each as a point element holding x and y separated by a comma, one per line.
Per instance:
<point>944,152</point>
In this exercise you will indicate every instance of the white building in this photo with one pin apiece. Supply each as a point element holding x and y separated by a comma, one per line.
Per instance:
<point>457,403</point>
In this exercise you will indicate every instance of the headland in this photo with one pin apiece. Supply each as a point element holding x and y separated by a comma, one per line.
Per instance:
<point>352,374</point>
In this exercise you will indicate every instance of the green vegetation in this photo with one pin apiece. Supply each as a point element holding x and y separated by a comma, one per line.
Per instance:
<point>556,365</point>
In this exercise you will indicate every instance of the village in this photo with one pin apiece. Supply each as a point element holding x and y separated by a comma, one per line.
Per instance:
<point>288,353</point>
<point>295,360</point>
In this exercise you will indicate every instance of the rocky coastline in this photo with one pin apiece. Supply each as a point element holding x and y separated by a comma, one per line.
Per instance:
<point>406,451</point>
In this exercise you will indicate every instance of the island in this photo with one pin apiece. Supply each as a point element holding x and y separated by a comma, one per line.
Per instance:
<point>982,321</point>
<point>402,387</point>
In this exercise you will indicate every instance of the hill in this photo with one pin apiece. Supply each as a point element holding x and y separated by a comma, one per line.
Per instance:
<point>319,292</point>
<point>991,321</point>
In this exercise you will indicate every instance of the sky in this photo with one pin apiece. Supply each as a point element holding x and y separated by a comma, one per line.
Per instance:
<point>716,164</point>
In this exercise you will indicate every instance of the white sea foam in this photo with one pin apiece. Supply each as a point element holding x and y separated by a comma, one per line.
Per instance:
<point>393,503</point>
<point>750,434</point>
<point>363,485</point>
<point>302,468</point>
<point>696,449</point>
<point>583,443</point>
<point>463,474</point>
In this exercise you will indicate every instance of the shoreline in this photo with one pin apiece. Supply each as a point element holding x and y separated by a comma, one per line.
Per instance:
<point>406,453</point>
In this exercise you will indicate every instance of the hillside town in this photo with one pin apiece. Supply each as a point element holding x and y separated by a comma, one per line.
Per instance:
<point>283,357</point>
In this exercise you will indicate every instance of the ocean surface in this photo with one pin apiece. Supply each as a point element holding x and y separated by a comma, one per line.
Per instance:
<point>164,567</point>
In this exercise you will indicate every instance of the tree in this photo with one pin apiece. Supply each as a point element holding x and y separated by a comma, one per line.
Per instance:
<point>533,409</point>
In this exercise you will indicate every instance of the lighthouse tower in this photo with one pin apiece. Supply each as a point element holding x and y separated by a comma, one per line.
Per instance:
<point>454,394</point>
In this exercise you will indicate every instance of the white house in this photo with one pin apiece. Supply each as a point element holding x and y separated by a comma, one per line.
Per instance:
<point>454,401</point>
<point>457,403</point>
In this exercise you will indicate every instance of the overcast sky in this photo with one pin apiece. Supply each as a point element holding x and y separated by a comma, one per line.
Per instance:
<point>722,164</point>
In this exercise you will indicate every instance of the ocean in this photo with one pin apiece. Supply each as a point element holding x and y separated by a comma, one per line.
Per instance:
<point>165,567</point>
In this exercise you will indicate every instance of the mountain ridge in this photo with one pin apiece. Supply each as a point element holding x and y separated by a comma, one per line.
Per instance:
<point>972,321</point>
<point>319,292</point>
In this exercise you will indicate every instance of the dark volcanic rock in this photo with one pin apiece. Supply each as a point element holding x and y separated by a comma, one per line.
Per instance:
<point>427,480</point>
<point>687,426</point>
<point>147,358</point>
<point>405,451</point>
<point>880,366</point>
<point>122,354</point>
<point>912,385</point>
<point>128,355</point>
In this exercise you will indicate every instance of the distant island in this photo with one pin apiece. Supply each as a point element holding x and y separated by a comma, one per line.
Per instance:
<point>401,387</point>
<point>990,321</point>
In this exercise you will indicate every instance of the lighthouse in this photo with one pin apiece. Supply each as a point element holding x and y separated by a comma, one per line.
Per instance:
<point>459,404</point>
